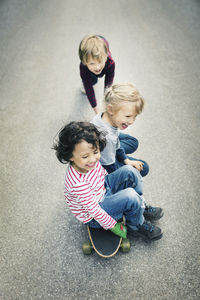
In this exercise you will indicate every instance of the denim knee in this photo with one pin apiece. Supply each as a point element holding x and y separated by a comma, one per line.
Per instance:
<point>132,198</point>
<point>145,170</point>
<point>128,169</point>
<point>129,143</point>
<point>131,172</point>
<point>136,178</point>
<point>135,143</point>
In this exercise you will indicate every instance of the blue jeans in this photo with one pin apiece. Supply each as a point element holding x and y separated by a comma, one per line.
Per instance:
<point>130,145</point>
<point>123,197</point>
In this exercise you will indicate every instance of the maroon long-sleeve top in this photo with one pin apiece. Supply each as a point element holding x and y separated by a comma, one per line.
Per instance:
<point>86,76</point>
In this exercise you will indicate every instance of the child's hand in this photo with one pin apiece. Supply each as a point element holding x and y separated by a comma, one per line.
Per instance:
<point>96,109</point>
<point>119,229</point>
<point>136,164</point>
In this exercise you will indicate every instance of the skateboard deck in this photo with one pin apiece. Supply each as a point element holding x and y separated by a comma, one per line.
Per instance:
<point>104,242</point>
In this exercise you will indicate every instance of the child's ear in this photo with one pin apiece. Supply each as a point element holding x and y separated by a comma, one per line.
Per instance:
<point>110,109</point>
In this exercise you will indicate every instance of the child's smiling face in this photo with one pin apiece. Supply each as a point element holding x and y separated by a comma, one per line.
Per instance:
<point>121,116</point>
<point>85,156</point>
<point>96,66</point>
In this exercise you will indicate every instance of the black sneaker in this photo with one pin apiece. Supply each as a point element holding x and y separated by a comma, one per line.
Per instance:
<point>146,230</point>
<point>153,213</point>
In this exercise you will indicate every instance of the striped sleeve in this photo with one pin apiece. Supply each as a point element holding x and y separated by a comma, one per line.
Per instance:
<point>82,191</point>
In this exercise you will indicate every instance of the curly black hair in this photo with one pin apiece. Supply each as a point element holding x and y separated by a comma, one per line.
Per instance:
<point>72,134</point>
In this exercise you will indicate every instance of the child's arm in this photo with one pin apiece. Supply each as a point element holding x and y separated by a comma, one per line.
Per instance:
<point>110,73</point>
<point>121,156</point>
<point>109,68</point>
<point>87,83</point>
<point>110,168</point>
<point>91,206</point>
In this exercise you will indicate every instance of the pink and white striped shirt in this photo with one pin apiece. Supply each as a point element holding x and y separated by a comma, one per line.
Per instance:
<point>84,191</point>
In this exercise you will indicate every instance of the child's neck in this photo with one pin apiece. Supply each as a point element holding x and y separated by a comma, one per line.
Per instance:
<point>107,118</point>
<point>80,170</point>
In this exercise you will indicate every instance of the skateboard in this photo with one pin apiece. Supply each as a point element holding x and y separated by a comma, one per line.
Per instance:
<point>104,242</point>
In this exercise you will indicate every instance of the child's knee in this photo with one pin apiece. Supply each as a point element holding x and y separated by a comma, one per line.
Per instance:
<point>145,170</point>
<point>129,193</point>
<point>133,198</point>
<point>131,171</point>
<point>134,142</point>
<point>128,169</point>
<point>132,174</point>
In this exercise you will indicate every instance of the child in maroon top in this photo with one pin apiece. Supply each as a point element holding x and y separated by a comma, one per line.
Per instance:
<point>96,61</point>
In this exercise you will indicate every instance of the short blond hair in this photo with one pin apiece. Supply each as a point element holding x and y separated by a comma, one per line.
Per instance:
<point>119,93</point>
<point>92,46</point>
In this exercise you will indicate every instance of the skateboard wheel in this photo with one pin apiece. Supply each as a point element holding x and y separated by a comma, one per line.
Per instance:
<point>125,245</point>
<point>87,247</point>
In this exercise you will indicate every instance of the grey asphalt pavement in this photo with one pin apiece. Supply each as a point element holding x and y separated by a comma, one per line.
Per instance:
<point>156,45</point>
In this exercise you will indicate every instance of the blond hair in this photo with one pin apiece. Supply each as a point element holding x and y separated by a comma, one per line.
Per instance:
<point>120,93</point>
<point>92,46</point>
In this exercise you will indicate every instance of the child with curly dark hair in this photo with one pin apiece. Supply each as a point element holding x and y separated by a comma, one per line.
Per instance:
<point>95,197</point>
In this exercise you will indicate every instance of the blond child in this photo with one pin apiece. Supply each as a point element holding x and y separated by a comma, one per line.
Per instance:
<point>96,61</point>
<point>123,103</point>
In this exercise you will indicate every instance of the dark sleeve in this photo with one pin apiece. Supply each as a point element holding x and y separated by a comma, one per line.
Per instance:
<point>110,168</point>
<point>110,73</point>
<point>121,155</point>
<point>87,83</point>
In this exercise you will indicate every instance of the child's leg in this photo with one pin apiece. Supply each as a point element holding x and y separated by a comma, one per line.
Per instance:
<point>116,199</point>
<point>128,143</point>
<point>131,205</point>
<point>126,203</point>
<point>122,178</point>
<point>128,176</point>
<point>123,203</point>
<point>121,199</point>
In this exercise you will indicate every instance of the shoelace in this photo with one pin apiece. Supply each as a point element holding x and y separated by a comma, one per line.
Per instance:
<point>148,226</point>
<point>150,208</point>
